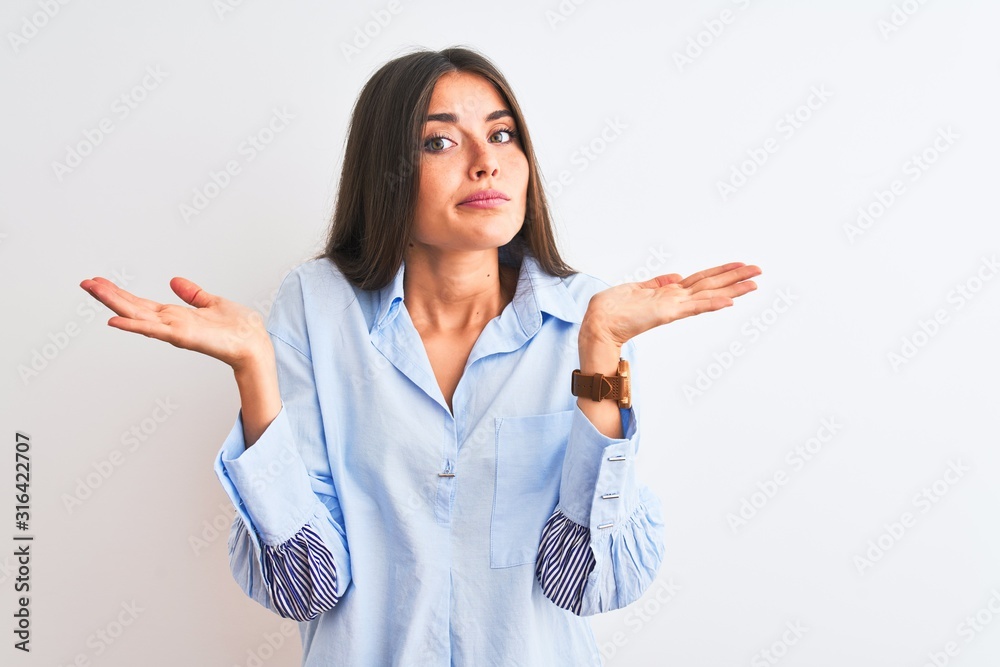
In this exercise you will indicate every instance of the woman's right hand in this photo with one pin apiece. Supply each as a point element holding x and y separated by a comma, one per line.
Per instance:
<point>215,326</point>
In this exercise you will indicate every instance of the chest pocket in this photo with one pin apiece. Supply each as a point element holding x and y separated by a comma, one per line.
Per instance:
<point>529,457</point>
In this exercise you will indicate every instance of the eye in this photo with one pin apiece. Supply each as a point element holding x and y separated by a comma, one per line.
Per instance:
<point>435,140</point>
<point>433,143</point>
<point>503,130</point>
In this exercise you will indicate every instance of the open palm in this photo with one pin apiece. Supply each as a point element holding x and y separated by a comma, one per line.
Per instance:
<point>214,326</point>
<point>624,311</point>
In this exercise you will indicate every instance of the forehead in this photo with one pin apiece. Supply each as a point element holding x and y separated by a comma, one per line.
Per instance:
<point>467,95</point>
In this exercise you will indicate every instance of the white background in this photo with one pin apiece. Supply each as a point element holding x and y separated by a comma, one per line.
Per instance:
<point>895,78</point>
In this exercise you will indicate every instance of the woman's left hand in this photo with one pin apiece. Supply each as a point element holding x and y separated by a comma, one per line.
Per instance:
<point>624,311</point>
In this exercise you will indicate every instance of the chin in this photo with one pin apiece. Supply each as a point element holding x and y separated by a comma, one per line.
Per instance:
<point>500,231</point>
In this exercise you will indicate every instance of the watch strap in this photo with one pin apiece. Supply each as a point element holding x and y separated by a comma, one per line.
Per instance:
<point>597,386</point>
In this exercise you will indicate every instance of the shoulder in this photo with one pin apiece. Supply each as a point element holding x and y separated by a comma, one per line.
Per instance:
<point>575,291</point>
<point>315,282</point>
<point>584,285</point>
<point>309,290</point>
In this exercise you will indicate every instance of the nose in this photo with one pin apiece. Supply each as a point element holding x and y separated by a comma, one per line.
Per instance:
<point>483,160</point>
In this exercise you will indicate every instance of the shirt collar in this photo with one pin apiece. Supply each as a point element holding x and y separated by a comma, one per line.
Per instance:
<point>537,292</point>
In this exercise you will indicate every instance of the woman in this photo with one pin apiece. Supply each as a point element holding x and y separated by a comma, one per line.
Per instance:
<point>413,480</point>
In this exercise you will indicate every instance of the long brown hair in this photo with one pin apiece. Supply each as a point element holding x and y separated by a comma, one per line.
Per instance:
<point>379,181</point>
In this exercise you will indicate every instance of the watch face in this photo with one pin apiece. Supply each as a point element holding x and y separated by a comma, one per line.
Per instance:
<point>625,400</point>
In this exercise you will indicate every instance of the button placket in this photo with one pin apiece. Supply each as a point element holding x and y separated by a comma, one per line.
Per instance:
<point>612,495</point>
<point>446,474</point>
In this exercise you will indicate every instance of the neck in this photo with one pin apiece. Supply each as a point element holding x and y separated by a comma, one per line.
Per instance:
<point>452,292</point>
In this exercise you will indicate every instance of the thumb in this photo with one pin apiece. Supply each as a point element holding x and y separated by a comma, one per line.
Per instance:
<point>190,292</point>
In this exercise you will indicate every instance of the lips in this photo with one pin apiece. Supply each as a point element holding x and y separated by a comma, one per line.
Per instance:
<point>485,195</point>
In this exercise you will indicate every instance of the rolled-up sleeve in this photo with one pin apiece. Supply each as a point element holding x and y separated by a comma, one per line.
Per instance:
<point>287,544</point>
<point>604,542</point>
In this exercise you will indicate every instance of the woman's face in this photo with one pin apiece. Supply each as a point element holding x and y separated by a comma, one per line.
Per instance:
<point>470,144</point>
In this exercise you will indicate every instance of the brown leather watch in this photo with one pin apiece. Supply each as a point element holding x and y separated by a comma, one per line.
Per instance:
<point>599,386</point>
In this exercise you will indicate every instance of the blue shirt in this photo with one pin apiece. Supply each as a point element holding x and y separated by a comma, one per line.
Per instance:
<point>398,533</point>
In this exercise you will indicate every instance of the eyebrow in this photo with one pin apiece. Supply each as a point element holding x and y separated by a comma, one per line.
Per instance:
<point>452,118</point>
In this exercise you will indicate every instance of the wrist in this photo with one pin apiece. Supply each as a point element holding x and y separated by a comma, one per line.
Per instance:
<point>260,398</point>
<point>254,358</point>
<point>597,353</point>
<point>256,368</point>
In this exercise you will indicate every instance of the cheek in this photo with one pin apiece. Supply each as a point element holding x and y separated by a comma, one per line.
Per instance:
<point>520,167</point>
<point>434,193</point>
<point>434,182</point>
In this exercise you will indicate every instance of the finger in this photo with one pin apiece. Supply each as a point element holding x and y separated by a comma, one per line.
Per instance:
<point>708,273</point>
<point>122,307</point>
<point>128,296</point>
<point>661,281</point>
<point>726,278</point>
<point>730,291</point>
<point>150,328</point>
<point>190,292</point>
<point>698,306</point>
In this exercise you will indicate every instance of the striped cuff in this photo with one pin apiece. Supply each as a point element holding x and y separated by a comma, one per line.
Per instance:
<point>564,561</point>
<point>301,575</point>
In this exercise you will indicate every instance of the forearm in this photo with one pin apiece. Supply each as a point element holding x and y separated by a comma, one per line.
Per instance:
<point>260,401</point>
<point>599,356</point>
